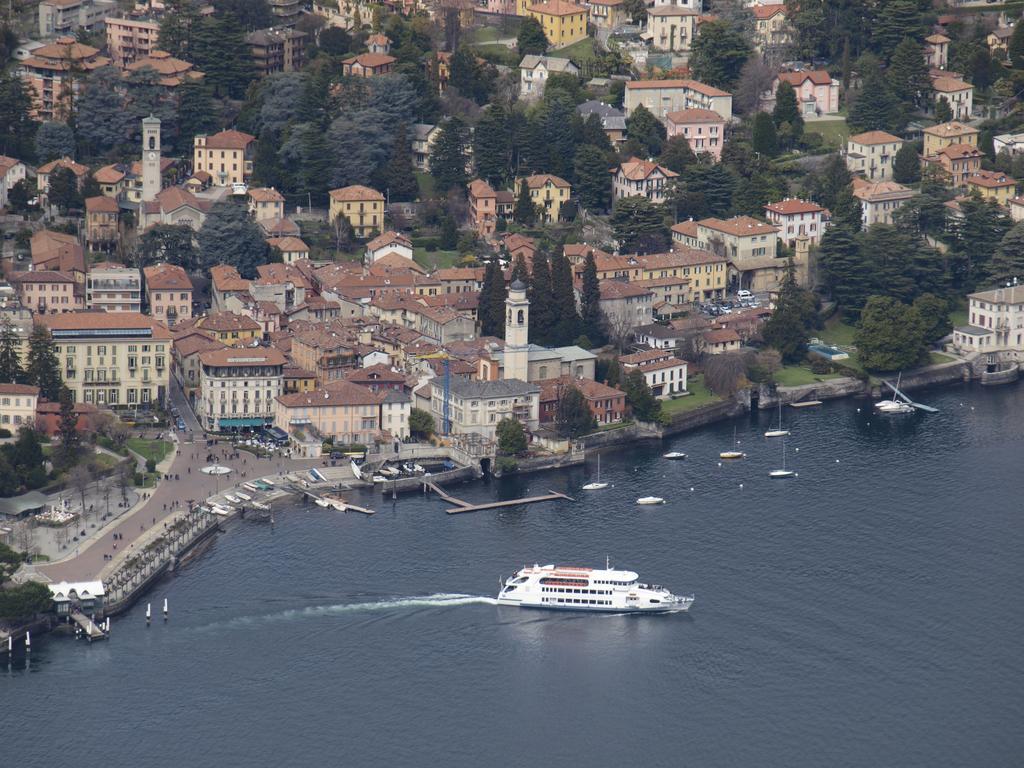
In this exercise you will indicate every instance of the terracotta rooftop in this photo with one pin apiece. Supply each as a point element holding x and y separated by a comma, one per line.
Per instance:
<point>557,8</point>
<point>875,137</point>
<point>355,193</point>
<point>617,289</point>
<point>816,76</point>
<point>18,389</point>
<point>949,85</point>
<point>228,140</point>
<point>692,85</point>
<point>232,356</point>
<point>223,322</point>
<point>739,226</point>
<point>950,129</point>
<point>95,321</point>
<point>762,12</point>
<point>539,180</point>
<point>793,206</point>
<point>991,180</point>
<point>338,392</point>
<point>388,238</point>
<point>101,204</point>
<point>636,169</point>
<point>371,60</point>
<point>266,195</point>
<point>694,116</point>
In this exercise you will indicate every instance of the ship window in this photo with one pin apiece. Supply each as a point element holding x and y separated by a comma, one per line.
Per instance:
<point>655,601</point>
<point>520,580</point>
<point>510,587</point>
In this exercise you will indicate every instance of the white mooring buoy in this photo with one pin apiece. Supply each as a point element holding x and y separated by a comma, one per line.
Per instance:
<point>28,641</point>
<point>149,613</point>
<point>165,609</point>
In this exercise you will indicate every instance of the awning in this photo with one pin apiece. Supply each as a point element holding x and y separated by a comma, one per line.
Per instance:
<point>241,423</point>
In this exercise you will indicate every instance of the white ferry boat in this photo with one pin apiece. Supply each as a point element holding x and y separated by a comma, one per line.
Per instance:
<point>588,589</point>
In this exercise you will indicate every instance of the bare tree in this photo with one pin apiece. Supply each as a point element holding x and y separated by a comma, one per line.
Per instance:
<point>725,374</point>
<point>80,478</point>
<point>124,479</point>
<point>756,77</point>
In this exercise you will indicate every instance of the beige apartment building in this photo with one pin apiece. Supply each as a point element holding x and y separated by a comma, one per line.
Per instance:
<point>113,288</point>
<point>345,411</point>
<point>362,206</point>
<point>871,154</point>
<point>938,137</point>
<point>129,40</point>
<point>118,360</point>
<point>169,293</point>
<point>663,96</point>
<point>226,156</point>
<point>238,387</point>
<point>17,405</point>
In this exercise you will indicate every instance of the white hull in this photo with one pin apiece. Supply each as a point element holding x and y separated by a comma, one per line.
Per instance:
<point>649,500</point>
<point>732,455</point>
<point>777,433</point>
<point>779,474</point>
<point>674,455</point>
<point>586,589</point>
<point>595,486</point>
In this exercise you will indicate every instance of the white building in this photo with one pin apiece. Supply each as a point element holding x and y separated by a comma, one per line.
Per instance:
<point>642,178</point>
<point>114,288</point>
<point>535,70</point>
<point>238,387</point>
<point>996,322</point>
<point>663,96</point>
<point>871,154</point>
<point>11,172</point>
<point>477,406</point>
<point>1013,143</point>
<point>958,93</point>
<point>665,377</point>
<point>795,218</point>
<point>879,200</point>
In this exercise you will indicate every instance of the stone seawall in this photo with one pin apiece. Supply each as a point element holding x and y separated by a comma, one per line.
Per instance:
<point>681,422</point>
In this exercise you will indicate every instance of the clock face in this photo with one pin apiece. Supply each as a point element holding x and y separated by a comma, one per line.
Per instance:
<point>152,155</point>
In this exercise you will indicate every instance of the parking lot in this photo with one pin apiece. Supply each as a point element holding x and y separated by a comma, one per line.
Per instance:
<point>736,302</point>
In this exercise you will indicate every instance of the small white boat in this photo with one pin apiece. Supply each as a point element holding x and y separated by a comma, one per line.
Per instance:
<point>418,469</point>
<point>596,485</point>
<point>732,455</point>
<point>674,455</point>
<point>250,486</point>
<point>220,511</point>
<point>243,496</point>
<point>646,500</point>
<point>260,505</point>
<point>379,479</point>
<point>894,406</point>
<point>322,503</point>
<point>267,481</point>
<point>779,474</point>
<point>389,472</point>
<point>781,431</point>
<point>356,471</point>
<point>232,499</point>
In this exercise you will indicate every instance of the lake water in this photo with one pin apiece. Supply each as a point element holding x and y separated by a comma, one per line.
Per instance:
<point>866,613</point>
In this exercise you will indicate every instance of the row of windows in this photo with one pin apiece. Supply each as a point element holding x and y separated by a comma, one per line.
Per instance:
<point>575,601</point>
<point>564,591</point>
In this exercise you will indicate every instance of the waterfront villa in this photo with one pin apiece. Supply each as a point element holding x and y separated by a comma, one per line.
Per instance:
<point>996,323</point>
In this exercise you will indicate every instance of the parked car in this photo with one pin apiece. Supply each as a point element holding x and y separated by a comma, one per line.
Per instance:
<point>742,294</point>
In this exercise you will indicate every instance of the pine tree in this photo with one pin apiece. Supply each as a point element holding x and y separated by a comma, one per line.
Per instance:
<point>677,155</point>
<point>63,189</point>
<point>520,272</point>
<point>196,114</point>
<point>17,128</point>
<point>943,112</point>
<point>643,127</point>
<point>574,418</point>
<point>67,431</point>
<point>639,225</point>
<point>594,133</point>
<point>841,267</point>
<point>897,19</point>
<point>719,53</point>
<point>525,212</point>
<point>639,396</point>
<point>1015,48</point>
<point>825,185</point>
<point>1007,262</point>
<point>875,108</point>
<point>591,314</point>
<point>399,179</point>
<point>764,139</point>
<point>219,50</point>
<point>448,158</point>
<point>847,211</point>
<point>890,335</point>
<point>176,27</point>
<point>906,166</point>
<point>492,147</point>
<point>567,319</point>
<point>593,182</point>
<point>531,38</point>
<point>787,113</point>
<point>707,190</point>
<point>43,366</point>
<point>543,310</point>
<point>11,371</point>
<point>491,312</point>
<point>908,73</point>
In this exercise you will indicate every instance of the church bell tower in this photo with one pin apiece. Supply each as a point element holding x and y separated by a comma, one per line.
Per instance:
<point>517,333</point>
<point>150,158</point>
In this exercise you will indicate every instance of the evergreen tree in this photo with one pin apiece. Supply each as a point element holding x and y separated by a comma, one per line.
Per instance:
<point>70,446</point>
<point>511,437</point>
<point>639,225</point>
<point>531,38</point>
<point>847,211</point>
<point>525,212</point>
<point>787,113</point>
<point>890,335</point>
<point>876,108</point>
<point>566,328</point>
<point>449,239</point>
<point>644,128</point>
<point>906,166</point>
<point>933,314</point>
<point>229,236</point>
<point>562,129</point>
<point>705,190</point>
<point>639,397</point>
<point>399,179</point>
<point>63,189</point>
<point>841,269</point>
<point>1015,47</point>
<point>543,310</point>
<point>492,146</point>
<point>465,75</point>
<point>266,166</point>
<point>17,128</point>
<point>592,317</point>
<point>943,112</point>
<point>975,235</point>
<point>787,328</point>
<point>594,134</point>
<point>764,140</point>
<point>718,54</point>
<point>491,311</point>
<point>10,361</point>
<point>1007,262</point>
<point>316,163</point>
<point>593,182</point>
<point>103,121</point>
<point>176,27</point>
<point>897,19</point>
<point>636,10</point>
<point>521,273</point>
<point>43,368</point>
<point>574,418</point>
<point>908,73</point>
<point>825,185</point>
<point>54,141</point>
<point>196,114</point>
<point>171,243</point>
<point>676,154</point>
<point>219,50</point>
<point>448,158</point>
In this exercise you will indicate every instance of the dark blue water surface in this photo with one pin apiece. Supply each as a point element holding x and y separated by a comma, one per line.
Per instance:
<point>867,613</point>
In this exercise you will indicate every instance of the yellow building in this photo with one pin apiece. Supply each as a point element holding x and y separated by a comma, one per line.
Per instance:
<point>548,194</point>
<point>226,156</point>
<point>992,185</point>
<point>362,206</point>
<point>607,14</point>
<point>229,328</point>
<point>942,135</point>
<point>114,359</point>
<point>564,23</point>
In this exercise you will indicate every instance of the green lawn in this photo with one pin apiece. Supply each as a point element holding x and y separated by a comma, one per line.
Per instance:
<point>150,449</point>
<point>426,184</point>
<point>699,396</point>
<point>580,51</point>
<point>837,332</point>
<point>104,461</point>
<point>834,133</point>
<point>937,358</point>
<point>498,53</point>
<point>797,375</point>
<point>434,259</point>
<point>484,35</point>
<point>959,317</point>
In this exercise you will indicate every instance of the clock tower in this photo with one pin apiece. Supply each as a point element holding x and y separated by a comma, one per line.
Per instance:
<point>517,333</point>
<point>150,158</point>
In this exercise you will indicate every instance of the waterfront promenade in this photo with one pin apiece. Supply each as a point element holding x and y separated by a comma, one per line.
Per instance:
<point>168,499</point>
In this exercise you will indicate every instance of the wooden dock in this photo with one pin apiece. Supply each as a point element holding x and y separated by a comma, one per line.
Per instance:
<point>338,503</point>
<point>805,404</point>
<point>465,506</point>
<point>90,629</point>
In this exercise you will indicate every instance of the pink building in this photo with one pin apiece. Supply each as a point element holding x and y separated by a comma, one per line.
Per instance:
<point>47,292</point>
<point>704,129</point>
<point>795,218</point>
<point>816,91</point>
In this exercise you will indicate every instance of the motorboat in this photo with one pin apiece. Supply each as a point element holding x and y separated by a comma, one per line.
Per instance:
<point>781,431</point>
<point>596,485</point>
<point>356,471</point>
<point>648,500</point>
<point>260,505</point>
<point>379,479</point>
<point>676,455</point>
<point>732,455</point>
<point>243,496</point>
<point>322,503</point>
<point>232,499</point>
<point>607,590</point>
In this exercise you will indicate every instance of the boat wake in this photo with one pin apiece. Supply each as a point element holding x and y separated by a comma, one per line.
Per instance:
<point>312,611</point>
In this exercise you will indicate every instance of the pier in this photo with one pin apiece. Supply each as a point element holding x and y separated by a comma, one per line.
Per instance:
<point>90,629</point>
<point>465,506</point>
<point>339,504</point>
